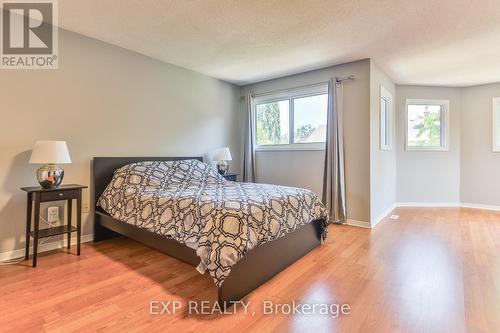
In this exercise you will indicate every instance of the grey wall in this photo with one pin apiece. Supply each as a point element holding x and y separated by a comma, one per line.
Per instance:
<point>292,168</point>
<point>105,101</point>
<point>382,162</point>
<point>480,166</point>
<point>428,177</point>
<point>305,168</point>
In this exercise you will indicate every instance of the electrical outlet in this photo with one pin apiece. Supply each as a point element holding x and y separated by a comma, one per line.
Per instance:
<point>53,214</point>
<point>85,207</point>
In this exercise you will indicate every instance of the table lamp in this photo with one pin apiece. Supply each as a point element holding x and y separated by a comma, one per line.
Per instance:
<point>222,155</point>
<point>50,154</point>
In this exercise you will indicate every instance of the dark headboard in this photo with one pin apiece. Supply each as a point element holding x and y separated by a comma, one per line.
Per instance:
<point>104,168</point>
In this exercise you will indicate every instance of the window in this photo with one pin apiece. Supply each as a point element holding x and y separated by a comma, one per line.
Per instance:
<point>496,124</point>
<point>427,124</point>
<point>273,123</point>
<point>386,119</point>
<point>309,123</point>
<point>293,119</point>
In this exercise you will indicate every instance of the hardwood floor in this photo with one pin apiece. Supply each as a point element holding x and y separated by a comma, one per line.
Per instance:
<point>433,270</point>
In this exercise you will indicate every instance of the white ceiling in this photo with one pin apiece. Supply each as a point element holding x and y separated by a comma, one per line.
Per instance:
<point>428,42</point>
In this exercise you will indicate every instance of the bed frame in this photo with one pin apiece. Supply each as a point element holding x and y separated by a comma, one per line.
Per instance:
<point>256,267</point>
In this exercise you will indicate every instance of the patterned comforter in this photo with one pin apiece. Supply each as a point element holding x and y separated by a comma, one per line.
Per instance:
<point>222,220</point>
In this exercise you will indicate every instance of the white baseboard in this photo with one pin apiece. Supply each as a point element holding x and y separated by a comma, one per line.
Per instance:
<point>382,216</point>
<point>43,247</point>
<point>356,223</point>
<point>479,206</point>
<point>428,204</point>
<point>374,222</point>
<point>448,204</point>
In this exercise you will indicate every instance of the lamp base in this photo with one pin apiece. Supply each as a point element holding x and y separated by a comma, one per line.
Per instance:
<point>222,167</point>
<point>50,176</point>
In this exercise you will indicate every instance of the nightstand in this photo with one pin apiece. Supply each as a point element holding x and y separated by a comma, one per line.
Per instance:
<point>230,176</point>
<point>37,195</point>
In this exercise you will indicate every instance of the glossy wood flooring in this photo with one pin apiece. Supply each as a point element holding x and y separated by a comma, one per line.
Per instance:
<point>433,270</point>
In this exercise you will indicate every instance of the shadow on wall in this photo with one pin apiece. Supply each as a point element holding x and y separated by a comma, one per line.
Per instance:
<point>12,215</point>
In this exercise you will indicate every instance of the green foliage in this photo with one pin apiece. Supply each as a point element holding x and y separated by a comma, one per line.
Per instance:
<point>303,132</point>
<point>268,125</point>
<point>429,129</point>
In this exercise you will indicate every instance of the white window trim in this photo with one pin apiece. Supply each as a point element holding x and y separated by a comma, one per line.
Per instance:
<point>496,115</point>
<point>387,96</point>
<point>445,124</point>
<point>294,93</point>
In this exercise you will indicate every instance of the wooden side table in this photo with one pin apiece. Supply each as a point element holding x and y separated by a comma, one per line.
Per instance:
<point>37,195</point>
<point>231,176</point>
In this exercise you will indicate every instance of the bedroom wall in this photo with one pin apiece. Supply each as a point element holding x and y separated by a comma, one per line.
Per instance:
<point>305,168</point>
<point>480,166</point>
<point>382,162</point>
<point>428,177</point>
<point>105,101</point>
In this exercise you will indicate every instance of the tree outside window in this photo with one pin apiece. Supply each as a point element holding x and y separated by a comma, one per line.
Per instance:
<point>426,126</point>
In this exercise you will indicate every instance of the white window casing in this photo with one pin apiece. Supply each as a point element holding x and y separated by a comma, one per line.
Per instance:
<point>444,124</point>
<point>290,95</point>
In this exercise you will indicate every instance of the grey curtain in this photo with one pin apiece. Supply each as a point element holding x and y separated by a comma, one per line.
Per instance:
<point>334,175</point>
<point>249,149</point>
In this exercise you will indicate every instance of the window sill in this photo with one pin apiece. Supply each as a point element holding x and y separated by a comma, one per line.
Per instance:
<point>295,147</point>
<point>427,149</point>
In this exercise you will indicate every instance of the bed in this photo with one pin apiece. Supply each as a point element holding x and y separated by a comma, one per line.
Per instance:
<point>239,261</point>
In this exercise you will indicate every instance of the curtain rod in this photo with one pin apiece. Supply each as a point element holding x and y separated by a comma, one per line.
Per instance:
<point>340,79</point>
<point>289,89</point>
<point>337,79</point>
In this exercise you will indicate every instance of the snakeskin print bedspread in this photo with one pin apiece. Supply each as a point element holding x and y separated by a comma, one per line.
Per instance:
<point>191,203</point>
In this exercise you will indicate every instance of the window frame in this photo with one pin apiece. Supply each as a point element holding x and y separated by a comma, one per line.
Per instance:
<point>445,124</point>
<point>389,100</point>
<point>290,95</point>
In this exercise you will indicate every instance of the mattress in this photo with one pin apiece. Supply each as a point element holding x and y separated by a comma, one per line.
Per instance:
<point>191,203</point>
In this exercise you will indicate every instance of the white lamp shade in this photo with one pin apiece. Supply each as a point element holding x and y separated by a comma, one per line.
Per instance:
<point>222,154</point>
<point>50,152</point>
